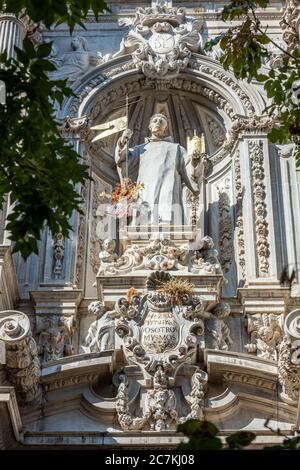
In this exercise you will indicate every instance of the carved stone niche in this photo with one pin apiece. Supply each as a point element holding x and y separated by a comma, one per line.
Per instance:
<point>289,358</point>
<point>22,364</point>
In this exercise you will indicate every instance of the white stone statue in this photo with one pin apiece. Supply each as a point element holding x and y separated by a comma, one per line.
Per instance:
<point>160,165</point>
<point>75,63</point>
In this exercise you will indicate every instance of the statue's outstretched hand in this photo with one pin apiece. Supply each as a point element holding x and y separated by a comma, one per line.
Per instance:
<point>126,136</point>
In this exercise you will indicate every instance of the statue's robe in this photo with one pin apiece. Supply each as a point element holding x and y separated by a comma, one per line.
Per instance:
<point>161,166</point>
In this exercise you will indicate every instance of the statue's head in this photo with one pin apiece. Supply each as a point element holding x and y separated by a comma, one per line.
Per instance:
<point>158,125</point>
<point>78,42</point>
<point>109,245</point>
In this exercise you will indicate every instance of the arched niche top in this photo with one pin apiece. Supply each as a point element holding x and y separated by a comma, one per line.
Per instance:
<point>244,99</point>
<point>204,99</point>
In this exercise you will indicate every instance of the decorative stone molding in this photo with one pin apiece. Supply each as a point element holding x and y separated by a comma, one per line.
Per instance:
<point>12,32</point>
<point>289,357</point>
<point>22,362</point>
<point>223,77</point>
<point>99,221</point>
<point>253,125</point>
<point>226,234</point>
<point>260,208</point>
<point>9,290</point>
<point>74,63</point>
<point>161,41</point>
<point>167,334</point>
<point>13,427</point>
<point>292,325</point>
<point>216,131</point>
<point>198,382</point>
<point>100,335</point>
<point>239,192</point>
<point>159,411</point>
<point>55,336</point>
<point>81,238</point>
<point>72,126</point>
<point>288,369</point>
<point>265,334</point>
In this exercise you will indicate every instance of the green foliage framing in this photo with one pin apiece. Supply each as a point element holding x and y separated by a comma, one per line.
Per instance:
<point>244,52</point>
<point>39,172</point>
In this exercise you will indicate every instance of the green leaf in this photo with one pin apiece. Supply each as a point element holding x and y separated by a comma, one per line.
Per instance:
<point>240,439</point>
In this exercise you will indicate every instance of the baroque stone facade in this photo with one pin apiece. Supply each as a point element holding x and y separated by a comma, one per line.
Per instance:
<point>127,326</point>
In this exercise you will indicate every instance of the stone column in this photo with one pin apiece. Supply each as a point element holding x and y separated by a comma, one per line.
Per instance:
<point>22,364</point>
<point>12,32</point>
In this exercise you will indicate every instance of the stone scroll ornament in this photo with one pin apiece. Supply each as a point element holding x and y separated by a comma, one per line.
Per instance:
<point>22,362</point>
<point>160,335</point>
<point>161,40</point>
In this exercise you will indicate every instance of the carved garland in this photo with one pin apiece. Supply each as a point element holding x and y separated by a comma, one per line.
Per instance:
<point>260,207</point>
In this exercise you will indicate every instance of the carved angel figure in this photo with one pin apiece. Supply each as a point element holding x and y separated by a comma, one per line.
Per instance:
<point>218,333</point>
<point>107,257</point>
<point>100,335</point>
